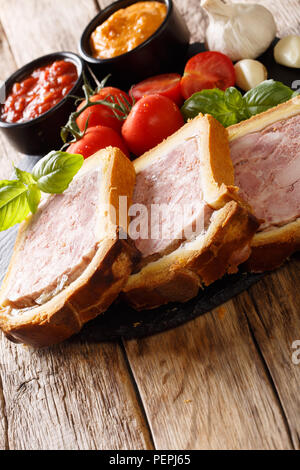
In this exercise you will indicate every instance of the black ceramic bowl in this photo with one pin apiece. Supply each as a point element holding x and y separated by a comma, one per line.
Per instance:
<point>163,52</point>
<point>42,134</point>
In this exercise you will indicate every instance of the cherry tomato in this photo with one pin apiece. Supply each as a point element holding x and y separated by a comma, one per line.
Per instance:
<point>207,70</point>
<point>151,120</point>
<point>100,114</point>
<point>97,138</point>
<point>167,84</point>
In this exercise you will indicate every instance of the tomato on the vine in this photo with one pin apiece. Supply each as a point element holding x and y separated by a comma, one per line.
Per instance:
<point>206,70</point>
<point>150,121</point>
<point>100,114</point>
<point>97,138</point>
<point>167,84</point>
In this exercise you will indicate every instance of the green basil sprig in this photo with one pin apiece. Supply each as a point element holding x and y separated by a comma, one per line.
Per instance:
<point>230,107</point>
<point>52,174</point>
<point>13,203</point>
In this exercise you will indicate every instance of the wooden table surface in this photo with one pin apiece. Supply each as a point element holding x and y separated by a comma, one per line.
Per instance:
<point>226,380</point>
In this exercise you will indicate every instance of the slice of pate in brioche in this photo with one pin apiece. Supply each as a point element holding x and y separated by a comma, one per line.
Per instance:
<point>69,261</point>
<point>265,151</point>
<point>189,179</point>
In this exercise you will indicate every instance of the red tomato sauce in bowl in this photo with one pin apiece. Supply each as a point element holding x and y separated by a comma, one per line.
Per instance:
<point>40,91</point>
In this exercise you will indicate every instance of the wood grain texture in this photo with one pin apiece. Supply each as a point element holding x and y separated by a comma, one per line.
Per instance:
<point>206,388</point>
<point>3,420</point>
<point>272,307</point>
<point>7,67</point>
<point>75,396</point>
<point>42,26</point>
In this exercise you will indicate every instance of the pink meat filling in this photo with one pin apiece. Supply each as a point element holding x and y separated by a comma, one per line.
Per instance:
<point>170,191</point>
<point>267,170</point>
<point>60,242</point>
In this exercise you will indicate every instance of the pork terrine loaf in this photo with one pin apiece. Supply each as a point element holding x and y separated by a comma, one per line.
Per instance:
<point>265,151</point>
<point>69,261</point>
<point>185,249</point>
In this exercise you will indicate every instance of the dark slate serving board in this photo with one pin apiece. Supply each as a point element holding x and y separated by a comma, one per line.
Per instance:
<point>122,321</point>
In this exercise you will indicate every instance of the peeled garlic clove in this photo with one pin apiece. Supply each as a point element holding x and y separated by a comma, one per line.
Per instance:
<point>287,51</point>
<point>249,73</point>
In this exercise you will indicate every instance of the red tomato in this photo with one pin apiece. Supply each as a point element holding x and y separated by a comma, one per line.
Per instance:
<point>97,138</point>
<point>167,84</point>
<point>207,70</point>
<point>151,120</point>
<point>100,114</point>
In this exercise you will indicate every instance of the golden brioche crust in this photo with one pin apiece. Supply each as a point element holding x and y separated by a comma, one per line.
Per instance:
<point>271,248</point>
<point>177,276</point>
<point>100,283</point>
<point>46,327</point>
<point>260,121</point>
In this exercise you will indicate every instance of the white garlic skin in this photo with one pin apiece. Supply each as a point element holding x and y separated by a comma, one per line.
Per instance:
<point>249,73</point>
<point>239,30</point>
<point>287,51</point>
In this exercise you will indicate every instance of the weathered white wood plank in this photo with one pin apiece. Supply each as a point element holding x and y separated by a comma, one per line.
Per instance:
<point>3,421</point>
<point>272,307</point>
<point>38,27</point>
<point>203,386</point>
<point>73,396</point>
<point>7,67</point>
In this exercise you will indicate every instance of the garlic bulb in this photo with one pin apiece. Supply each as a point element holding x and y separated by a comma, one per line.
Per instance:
<point>249,73</point>
<point>287,51</point>
<point>241,31</point>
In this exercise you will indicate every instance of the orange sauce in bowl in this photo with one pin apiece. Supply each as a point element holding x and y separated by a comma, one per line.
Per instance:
<point>126,29</point>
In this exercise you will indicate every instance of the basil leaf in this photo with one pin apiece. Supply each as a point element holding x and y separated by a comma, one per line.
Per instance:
<point>52,174</point>
<point>210,102</point>
<point>235,102</point>
<point>266,95</point>
<point>24,176</point>
<point>33,197</point>
<point>13,203</point>
<point>230,107</point>
<point>55,171</point>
